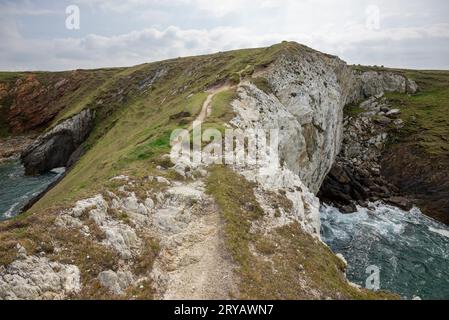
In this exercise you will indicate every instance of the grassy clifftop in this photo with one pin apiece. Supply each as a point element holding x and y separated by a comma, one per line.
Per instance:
<point>136,112</point>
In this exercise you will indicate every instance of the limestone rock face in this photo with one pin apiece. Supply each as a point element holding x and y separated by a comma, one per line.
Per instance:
<point>310,91</point>
<point>312,88</point>
<point>54,148</point>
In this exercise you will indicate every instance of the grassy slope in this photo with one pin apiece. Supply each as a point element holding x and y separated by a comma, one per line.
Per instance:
<point>286,263</point>
<point>426,113</point>
<point>132,133</point>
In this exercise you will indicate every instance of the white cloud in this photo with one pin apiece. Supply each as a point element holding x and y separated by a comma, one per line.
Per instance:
<point>23,8</point>
<point>194,27</point>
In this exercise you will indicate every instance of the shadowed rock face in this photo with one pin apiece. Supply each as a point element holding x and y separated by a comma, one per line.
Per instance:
<point>355,177</point>
<point>55,148</point>
<point>422,177</point>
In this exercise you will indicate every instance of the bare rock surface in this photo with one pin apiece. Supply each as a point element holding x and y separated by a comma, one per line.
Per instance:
<point>356,176</point>
<point>12,147</point>
<point>372,83</point>
<point>32,277</point>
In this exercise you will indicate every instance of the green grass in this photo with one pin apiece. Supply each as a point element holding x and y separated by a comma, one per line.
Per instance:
<point>194,104</point>
<point>10,76</point>
<point>425,113</point>
<point>129,125</point>
<point>221,106</point>
<point>239,208</point>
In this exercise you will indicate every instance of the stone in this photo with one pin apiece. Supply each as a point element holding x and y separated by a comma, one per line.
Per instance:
<point>400,202</point>
<point>342,259</point>
<point>162,180</point>
<point>132,204</point>
<point>369,104</point>
<point>412,86</point>
<point>83,206</point>
<point>149,203</point>
<point>398,122</point>
<point>393,113</point>
<point>350,208</point>
<point>116,282</point>
<point>32,277</point>
<point>21,252</point>
<point>383,120</point>
<point>120,178</point>
<point>377,82</point>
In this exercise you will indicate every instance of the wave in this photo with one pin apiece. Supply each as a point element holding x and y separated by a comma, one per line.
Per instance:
<point>410,249</point>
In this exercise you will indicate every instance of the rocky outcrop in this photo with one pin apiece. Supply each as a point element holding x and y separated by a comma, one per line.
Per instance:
<point>32,277</point>
<point>422,177</point>
<point>310,90</point>
<point>309,93</point>
<point>356,177</point>
<point>372,83</point>
<point>258,111</point>
<point>55,148</point>
<point>184,221</point>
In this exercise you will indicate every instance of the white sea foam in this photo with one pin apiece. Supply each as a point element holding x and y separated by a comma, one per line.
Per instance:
<point>444,233</point>
<point>410,249</point>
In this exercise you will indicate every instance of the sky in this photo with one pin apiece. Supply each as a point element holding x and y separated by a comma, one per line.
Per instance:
<point>51,35</point>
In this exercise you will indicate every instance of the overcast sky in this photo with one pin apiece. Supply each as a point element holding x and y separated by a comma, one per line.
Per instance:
<point>395,33</point>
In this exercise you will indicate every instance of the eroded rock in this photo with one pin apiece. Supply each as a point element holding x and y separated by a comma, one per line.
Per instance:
<point>31,277</point>
<point>55,148</point>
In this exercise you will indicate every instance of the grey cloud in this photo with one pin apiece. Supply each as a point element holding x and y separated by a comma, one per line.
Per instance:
<point>408,36</point>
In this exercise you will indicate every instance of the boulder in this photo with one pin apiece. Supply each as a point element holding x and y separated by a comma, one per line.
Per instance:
<point>393,113</point>
<point>375,83</point>
<point>382,120</point>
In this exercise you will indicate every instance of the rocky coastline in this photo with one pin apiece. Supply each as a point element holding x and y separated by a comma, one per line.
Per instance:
<point>141,226</point>
<point>356,177</point>
<point>12,147</point>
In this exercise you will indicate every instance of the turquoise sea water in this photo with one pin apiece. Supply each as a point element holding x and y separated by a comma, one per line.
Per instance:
<point>16,189</point>
<point>410,249</point>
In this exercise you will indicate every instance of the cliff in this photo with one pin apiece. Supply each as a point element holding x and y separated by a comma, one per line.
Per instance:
<point>126,222</point>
